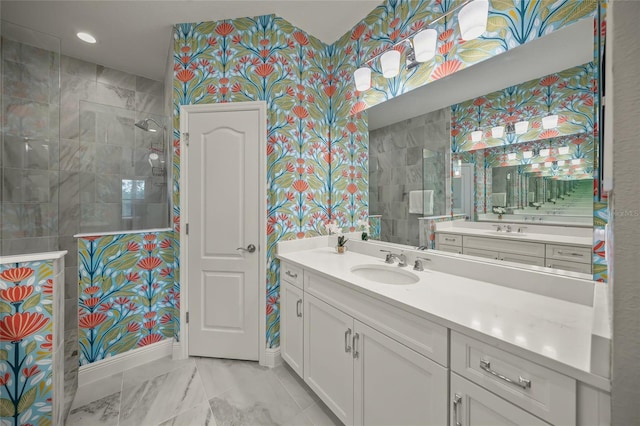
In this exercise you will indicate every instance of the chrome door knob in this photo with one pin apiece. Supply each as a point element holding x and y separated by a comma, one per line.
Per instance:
<point>250,248</point>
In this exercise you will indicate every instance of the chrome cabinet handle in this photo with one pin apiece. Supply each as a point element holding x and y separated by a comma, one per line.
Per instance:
<point>570,254</point>
<point>457,401</point>
<point>347,335</point>
<point>250,248</point>
<point>521,382</point>
<point>356,337</point>
<point>449,239</point>
<point>298,306</point>
<point>289,274</point>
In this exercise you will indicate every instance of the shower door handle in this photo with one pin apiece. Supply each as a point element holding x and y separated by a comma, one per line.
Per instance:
<point>250,248</point>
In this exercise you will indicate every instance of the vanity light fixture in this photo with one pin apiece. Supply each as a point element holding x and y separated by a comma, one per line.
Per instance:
<point>473,22</point>
<point>563,150</point>
<point>86,37</point>
<point>521,127</point>
<point>550,121</point>
<point>476,136</point>
<point>497,132</point>
<point>511,156</point>
<point>545,152</point>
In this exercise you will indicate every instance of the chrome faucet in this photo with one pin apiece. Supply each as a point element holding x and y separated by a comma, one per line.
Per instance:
<point>498,228</point>
<point>418,266</point>
<point>402,259</point>
<point>508,228</point>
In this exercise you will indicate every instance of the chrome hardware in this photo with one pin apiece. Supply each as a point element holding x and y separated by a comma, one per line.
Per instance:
<point>289,274</point>
<point>418,266</point>
<point>561,253</point>
<point>508,228</point>
<point>347,335</point>
<point>521,382</point>
<point>356,337</point>
<point>457,401</point>
<point>450,239</point>
<point>498,228</point>
<point>402,259</point>
<point>298,306</point>
<point>250,248</point>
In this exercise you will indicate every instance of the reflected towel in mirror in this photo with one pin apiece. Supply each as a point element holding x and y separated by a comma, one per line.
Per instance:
<point>421,202</point>
<point>499,199</point>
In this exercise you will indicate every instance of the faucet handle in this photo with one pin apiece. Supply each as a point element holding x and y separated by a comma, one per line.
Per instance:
<point>418,266</point>
<point>498,228</point>
<point>521,229</point>
<point>389,257</point>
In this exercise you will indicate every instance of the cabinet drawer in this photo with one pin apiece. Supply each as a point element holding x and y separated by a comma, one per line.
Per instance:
<point>419,334</point>
<point>570,253</point>
<point>584,268</point>
<point>486,254</point>
<point>450,239</point>
<point>449,249</point>
<point>292,274</point>
<point>539,390</point>
<point>505,246</point>
<point>520,258</point>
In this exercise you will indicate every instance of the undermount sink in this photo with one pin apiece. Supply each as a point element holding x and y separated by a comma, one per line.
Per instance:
<point>385,274</point>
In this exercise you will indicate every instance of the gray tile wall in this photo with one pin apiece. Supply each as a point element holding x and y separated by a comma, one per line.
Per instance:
<point>396,167</point>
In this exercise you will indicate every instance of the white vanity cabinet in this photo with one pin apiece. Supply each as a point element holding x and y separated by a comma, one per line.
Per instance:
<point>291,317</point>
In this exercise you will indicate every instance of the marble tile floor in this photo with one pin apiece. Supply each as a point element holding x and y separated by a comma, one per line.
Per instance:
<point>200,391</point>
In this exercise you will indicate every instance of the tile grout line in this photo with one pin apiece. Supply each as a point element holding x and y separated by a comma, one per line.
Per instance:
<point>302,410</point>
<point>120,401</point>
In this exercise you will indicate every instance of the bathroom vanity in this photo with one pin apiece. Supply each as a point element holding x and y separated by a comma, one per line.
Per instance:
<point>461,342</point>
<point>563,248</point>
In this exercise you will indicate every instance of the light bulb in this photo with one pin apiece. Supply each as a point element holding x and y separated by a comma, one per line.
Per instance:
<point>390,62</point>
<point>521,127</point>
<point>473,19</point>
<point>362,78</point>
<point>424,44</point>
<point>497,132</point>
<point>476,136</point>
<point>86,37</point>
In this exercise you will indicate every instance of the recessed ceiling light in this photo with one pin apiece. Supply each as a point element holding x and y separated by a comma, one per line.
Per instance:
<point>86,37</point>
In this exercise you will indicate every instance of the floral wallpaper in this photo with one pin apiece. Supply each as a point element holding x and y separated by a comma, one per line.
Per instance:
<point>26,343</point>
<point>570,94</point>
<point>266,58</point>
<point>127,297</point>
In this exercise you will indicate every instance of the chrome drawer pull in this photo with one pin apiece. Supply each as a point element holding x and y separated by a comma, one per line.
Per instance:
<point>289,274</point>
<point>449,239</point>
<point>522,382</point>
<point>347,335</point>
<point>356,337</point>
<point>298,305</point>
<point>561,253</point>
<point>457,401</point>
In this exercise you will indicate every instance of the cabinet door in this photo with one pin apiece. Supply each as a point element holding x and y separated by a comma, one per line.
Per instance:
<point>328,361</point>
<point>291,326</point>
<point>472,405</point>
<point>450,249</point>
<point>487,254</point>
<point>584,268</point>
<point>395,385</point>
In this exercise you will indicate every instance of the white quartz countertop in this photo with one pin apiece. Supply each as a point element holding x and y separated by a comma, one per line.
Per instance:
<point>516,236</point>
<point>552,332</point>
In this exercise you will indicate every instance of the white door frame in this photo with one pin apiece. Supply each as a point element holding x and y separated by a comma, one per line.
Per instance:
<point>185,110</point>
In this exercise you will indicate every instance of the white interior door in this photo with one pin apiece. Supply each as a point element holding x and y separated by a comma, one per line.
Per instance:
<point>223,239</point>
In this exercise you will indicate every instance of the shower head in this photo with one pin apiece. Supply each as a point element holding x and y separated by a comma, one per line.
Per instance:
<point>144,125</point>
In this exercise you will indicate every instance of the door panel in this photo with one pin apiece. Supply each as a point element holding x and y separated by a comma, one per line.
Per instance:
<point>224,210</point>
<point>395,385</point>
<point>328,362</point>
<point>291,326</point>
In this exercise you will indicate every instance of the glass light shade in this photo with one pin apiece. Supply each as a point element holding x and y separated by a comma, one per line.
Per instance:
<point>548,164</point>
<point>390,62</point>
<point>522,127</point>
<point>527,154</point>
<point>362,78</point>
<point>575,161</point>
<point>550,122</point>
<point>511,156</point>
<point>535,166</point>
<point>473,19</point>
<point>563,150</point>
<point>476,136</point>
<point>545,152</point>
<point>497,132</point>
<point>424,44</point>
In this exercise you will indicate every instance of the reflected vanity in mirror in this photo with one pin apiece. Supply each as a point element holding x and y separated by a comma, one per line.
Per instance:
<point>520,158</point>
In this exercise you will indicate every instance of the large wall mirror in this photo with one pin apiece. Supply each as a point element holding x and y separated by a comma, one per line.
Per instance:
<point>458,145</point>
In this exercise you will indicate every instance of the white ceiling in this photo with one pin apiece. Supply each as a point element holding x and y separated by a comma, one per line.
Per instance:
<point>135,35</point>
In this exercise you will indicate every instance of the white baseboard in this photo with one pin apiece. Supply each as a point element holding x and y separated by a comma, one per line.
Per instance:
<point>109,366</point>
<point>272,357</point>
<point>178,353</point>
